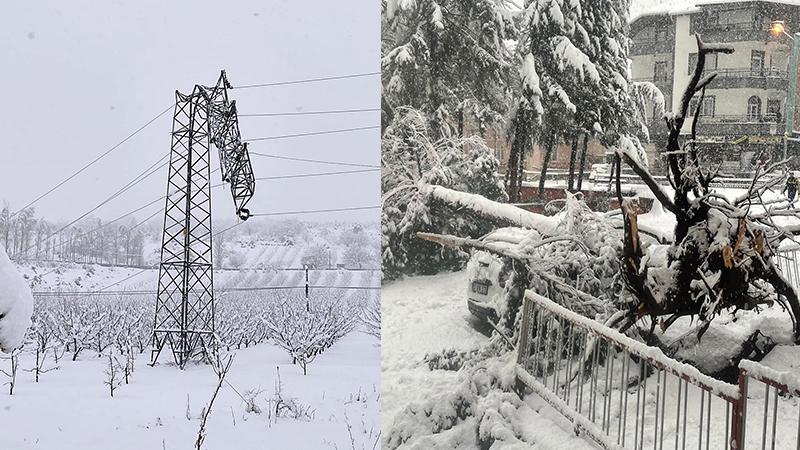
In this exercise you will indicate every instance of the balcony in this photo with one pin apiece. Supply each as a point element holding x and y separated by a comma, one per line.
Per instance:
<point>738,125</point>
<point>652,46</point>
<point>731,32</point>
<point>764,78</point>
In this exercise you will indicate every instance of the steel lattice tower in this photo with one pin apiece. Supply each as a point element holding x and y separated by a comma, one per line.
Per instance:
<point>184,317</point>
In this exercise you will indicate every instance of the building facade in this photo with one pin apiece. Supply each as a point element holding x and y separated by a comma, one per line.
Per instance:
<point>743,112</point>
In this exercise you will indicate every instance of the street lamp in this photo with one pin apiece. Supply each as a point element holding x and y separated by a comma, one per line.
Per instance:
<point>777,29</point>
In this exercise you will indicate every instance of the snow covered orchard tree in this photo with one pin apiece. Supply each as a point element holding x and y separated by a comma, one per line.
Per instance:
<point>450,59</point>
<point>412,159</point>
<point>304,335</point>
<point>722,256</point>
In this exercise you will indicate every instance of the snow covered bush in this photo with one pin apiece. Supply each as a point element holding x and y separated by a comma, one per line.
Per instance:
<point>481,411</point>
<point>16,305</point>
<point>411,159</point>
<point>241,319</point>
<point>370,316</point>
<point>304,334</point>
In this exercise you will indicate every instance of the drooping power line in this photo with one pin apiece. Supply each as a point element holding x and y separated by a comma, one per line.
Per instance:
<point>318,161</point>
<point>319,174</point>
<point>311,133</point>
<point>308,80</point>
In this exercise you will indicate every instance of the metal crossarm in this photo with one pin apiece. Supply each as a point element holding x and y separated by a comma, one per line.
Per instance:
<point>184,316</point>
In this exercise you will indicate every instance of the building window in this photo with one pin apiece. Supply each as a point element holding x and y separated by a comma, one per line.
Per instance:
<point>707,109</point>
<point>709,105</point>
<point>712,19</point>
<point>661,35</point>
<point>711,62</point>
<point>753,108</point>
<point>757,62</point>
<point>774,110</point>
<point>660,72</point>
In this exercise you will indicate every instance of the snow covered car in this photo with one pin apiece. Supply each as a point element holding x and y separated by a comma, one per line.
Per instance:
<point>487,275</point>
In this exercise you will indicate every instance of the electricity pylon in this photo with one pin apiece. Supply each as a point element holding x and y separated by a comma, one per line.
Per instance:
<point>184,318</point>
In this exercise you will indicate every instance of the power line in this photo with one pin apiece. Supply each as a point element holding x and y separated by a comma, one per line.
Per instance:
<point>124,279</point>
<point>311,211</point>
<point>318,161</point>
<point>291,213</point>
<point>221,290</point>
<point>311,133</point>
<point>142,222</point>
<point>91,163</point>
<point>136,180</point>
<point>308,80</point>
<point>149,122</point>
<point>319,174</point>
<point>311,113</point>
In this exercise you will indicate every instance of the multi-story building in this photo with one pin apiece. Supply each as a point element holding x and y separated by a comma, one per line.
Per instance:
<point>743,112</point>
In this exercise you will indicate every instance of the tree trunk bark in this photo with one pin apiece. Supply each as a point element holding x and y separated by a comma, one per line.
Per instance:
<point>512,172</point>
<point>572,156</point>
<point>583,160</point>
<point>550,142</point>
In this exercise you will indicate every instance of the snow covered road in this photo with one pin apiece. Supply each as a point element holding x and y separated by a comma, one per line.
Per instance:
<point>427,314</point>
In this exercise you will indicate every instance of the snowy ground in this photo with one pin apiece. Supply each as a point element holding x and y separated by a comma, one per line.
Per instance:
<point>428,314</point>
<point>70,408</point>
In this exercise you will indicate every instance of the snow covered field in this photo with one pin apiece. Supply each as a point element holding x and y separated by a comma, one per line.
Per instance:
<point>70,408</point>
<point>336,405</point>
<point>427,314</point>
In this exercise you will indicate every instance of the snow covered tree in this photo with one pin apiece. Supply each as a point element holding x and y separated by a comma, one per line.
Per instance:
<point>412,159</point>
<point>16,305</point>
<point>574,67</point>
<point>449,59</point>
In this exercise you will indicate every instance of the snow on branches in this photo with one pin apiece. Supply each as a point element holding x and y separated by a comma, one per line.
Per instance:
<point>448,59</point>
<point>16,305</point>
<point>722,256</point>
<point>305,333</point>
<point>412,159</point>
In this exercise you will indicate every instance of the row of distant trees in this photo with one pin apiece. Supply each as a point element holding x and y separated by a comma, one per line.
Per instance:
<point>26,236</point>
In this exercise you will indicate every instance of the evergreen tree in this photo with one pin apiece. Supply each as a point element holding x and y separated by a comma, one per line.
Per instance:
<point>449,59</point>
<point>577,50</point>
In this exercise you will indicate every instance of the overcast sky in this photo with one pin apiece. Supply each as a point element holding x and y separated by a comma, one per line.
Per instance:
<point>81,75</point>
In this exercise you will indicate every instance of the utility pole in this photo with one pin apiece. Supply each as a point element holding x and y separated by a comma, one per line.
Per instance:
<point>792,95</point>
<point>308,304</point>
<point>777,29</point>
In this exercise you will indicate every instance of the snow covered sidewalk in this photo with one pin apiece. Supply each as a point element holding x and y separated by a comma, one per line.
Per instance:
<point>428,314</point>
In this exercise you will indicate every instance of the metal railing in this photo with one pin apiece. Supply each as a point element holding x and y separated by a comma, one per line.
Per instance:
<point>748,72</point>
<point>618,391</point>
<point>741,118</point>
<point>776,423</point>
<point>788,262</point>
<point>625,395</point>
